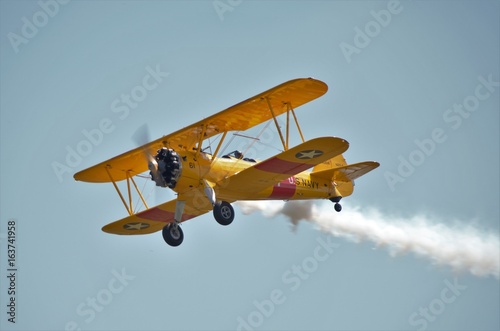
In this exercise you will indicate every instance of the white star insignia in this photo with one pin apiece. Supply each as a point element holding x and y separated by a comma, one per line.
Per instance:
<point>310,154</point>
<point>135,226</point>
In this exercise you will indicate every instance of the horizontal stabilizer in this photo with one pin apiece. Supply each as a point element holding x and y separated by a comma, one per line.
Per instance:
<point>346,173</point>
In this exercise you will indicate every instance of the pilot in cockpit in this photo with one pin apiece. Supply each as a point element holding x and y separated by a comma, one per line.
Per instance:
<point>236,154</point>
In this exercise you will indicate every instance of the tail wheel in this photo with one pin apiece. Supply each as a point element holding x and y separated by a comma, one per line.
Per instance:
<point>172,234</point>
<point>223,213</point>
<point>337,206</point>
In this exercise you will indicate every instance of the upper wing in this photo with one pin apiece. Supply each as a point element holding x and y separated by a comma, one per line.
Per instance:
<point>154,219</point>
<point>347,173</point>
<point>282,166</point>
<point>239,117</point>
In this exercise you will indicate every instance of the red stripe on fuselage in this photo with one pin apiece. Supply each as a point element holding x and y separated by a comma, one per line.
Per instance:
<point>284,189</point>
<point>279,166</point>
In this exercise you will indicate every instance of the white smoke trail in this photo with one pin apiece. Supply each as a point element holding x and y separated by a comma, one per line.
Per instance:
<point>461,247</point>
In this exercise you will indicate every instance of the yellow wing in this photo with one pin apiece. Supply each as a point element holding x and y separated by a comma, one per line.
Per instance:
<point>154,219</point>
<point>133,225</point>
<point>239,117</point>
<point>282,166</point>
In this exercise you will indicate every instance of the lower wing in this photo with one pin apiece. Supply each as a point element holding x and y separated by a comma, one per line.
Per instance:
<point>155,218</point>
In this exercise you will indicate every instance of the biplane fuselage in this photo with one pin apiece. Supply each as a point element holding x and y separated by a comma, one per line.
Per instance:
<point>216,169</point>
<point>211,182</point>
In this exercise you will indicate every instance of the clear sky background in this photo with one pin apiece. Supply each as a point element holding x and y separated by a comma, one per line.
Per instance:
<point>66,74</point>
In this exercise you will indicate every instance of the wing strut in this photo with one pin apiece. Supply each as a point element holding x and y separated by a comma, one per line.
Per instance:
<point>128,206</point>
<point>289,109</point>
<point>220,144</point>
<point>276,123</point>
<point>202,135</point>
<point>139,192</point>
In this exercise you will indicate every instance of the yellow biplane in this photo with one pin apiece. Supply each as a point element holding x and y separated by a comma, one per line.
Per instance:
<point>208,182</point>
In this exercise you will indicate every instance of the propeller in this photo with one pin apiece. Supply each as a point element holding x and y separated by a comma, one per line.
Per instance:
<point>141,137</point>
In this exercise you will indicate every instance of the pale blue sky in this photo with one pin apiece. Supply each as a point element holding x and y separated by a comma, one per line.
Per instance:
<point>65,77</point>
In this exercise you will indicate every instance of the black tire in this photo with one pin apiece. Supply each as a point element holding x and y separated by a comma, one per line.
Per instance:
<point>172,235</point>
<point>338,207</point>
<point>223,213</point>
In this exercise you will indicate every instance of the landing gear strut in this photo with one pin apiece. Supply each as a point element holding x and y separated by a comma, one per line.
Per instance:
<point>223,213</point>
<point>172,234</point>
<point>336,200</point>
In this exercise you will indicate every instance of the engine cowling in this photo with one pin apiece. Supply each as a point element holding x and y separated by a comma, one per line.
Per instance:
<point>169,167</point>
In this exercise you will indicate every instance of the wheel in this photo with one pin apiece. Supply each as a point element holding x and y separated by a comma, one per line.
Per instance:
<point>338,207</point>
<point>223,213</point>
<point>172,234</point>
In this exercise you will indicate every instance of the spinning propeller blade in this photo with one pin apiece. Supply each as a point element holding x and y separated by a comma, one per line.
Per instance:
<point>141,137</point>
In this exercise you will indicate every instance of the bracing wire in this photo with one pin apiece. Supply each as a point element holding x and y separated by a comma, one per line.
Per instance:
<point>137,206</point>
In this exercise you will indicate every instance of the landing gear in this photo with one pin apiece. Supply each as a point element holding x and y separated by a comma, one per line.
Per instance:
<point>223,213</point>
<point>172,234</point>
<point>337,206</point>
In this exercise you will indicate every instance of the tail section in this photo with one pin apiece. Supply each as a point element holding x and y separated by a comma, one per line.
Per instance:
<point>346,173</point>
<point>341,174</point>
<point>335,162</point>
